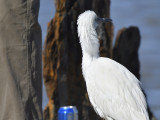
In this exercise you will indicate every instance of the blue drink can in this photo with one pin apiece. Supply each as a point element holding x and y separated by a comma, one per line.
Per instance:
<point>68,113</point>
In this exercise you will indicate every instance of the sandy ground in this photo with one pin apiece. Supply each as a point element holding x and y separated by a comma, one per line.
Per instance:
<point>145,15</point>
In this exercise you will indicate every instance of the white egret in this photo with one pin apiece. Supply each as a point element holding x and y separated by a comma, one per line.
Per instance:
<point>113,90</point>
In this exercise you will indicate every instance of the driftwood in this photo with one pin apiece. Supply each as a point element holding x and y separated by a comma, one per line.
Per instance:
<point>62,56</point>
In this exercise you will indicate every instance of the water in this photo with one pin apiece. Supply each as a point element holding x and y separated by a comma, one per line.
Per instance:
<point>46,13</point>
<point>141,13</point>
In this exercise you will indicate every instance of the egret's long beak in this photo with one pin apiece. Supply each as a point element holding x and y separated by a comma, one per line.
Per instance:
<point>102,20</point>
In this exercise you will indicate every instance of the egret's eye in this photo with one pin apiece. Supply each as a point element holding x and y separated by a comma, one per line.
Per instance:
<point>97,20</point>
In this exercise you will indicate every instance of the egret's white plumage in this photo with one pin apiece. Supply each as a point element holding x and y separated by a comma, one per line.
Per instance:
<point>113,90</point>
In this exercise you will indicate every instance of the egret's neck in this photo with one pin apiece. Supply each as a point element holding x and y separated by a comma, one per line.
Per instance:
<point>89,40</point>
<point>86,61</point>
<point>90,46</point>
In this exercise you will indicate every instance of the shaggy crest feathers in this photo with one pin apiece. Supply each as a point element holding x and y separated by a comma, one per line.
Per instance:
<point>87,19</point>
<point>87,33</point>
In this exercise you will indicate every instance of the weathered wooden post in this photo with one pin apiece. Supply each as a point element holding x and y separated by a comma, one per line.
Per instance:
<point>62,57</point>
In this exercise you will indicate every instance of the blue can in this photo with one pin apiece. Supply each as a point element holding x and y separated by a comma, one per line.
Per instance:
<point>68,113</point>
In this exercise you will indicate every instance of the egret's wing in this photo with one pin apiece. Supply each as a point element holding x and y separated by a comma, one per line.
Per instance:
<point>114,90</point>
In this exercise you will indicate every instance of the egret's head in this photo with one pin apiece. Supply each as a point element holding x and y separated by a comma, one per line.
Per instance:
<point>90,19</point>
<point>87,23</point>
